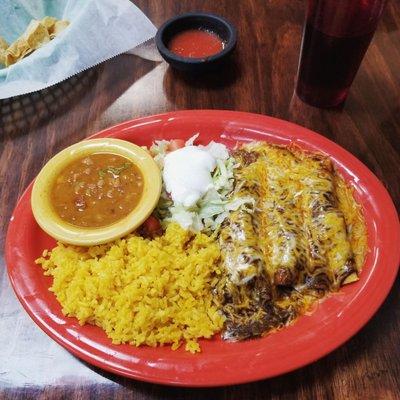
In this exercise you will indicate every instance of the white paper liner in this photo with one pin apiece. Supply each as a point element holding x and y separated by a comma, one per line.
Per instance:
<point>98,31</point>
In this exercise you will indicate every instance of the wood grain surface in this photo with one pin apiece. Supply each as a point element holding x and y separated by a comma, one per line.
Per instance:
<point>261,79</point>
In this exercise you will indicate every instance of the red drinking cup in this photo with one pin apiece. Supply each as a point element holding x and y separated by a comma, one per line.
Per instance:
<point>336,36</point>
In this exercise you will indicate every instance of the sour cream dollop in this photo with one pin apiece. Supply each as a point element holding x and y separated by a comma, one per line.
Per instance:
<point>187,174</point>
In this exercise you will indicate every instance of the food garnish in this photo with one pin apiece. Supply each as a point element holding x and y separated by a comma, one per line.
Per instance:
<point>115,171</point>
<point>151,228</point>
<point>201,179</point>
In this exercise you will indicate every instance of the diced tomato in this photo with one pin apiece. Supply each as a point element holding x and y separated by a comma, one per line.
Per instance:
<point>176,144</point>
<point>151,228</point>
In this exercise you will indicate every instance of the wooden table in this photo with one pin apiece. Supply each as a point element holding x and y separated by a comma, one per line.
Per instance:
<point>35,127</point>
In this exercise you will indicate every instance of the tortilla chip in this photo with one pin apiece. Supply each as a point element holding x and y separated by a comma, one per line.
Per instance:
<point>2,57</point>
<point>49,23</point>
<point>59,26</point>
<point>3,44</point>
<point>3,47</point>
<point>34,37</point>
<point>36,34</point>
<point>19,49</point>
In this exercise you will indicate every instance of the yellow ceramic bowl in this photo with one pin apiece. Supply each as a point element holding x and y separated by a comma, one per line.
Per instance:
<point>51,223</point>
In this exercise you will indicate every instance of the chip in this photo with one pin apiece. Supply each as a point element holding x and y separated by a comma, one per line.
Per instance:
<point>58,27</point>
<point>3,48</point>
<point>49,23</point>
<point>3,44</point>
<point>37,34</point>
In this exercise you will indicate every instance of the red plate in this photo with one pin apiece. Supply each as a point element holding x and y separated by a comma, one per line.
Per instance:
<point>221,363</point>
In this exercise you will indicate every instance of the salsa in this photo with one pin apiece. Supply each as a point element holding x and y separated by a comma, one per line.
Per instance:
<point>97,190</point>
<point>196,43</point>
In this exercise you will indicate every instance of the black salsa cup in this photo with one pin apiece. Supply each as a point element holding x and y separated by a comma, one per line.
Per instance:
<point>205,21</point>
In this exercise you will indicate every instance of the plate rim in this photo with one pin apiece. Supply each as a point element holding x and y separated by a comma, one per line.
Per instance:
<point>270,123</point>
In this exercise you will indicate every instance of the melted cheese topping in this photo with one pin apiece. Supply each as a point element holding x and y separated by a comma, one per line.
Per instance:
<point>305,234</point>
<point>300,227</point>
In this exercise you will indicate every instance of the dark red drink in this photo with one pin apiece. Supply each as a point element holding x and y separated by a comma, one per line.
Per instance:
<point>336,36</point>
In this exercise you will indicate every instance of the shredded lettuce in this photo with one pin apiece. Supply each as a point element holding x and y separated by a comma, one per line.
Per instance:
<point>211,210</point>
<point>158,150</point>
<point>191,140</point>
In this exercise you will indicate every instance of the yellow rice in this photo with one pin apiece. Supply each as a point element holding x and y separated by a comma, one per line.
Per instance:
<point>141,291</point>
